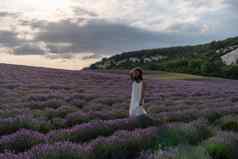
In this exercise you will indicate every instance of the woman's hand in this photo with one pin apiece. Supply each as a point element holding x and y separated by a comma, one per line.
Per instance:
<point>141,103</point>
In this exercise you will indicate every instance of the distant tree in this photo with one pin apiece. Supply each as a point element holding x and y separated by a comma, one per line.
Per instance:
<point>206,68</point>
<point>194,65</point>
<point>231,71</point>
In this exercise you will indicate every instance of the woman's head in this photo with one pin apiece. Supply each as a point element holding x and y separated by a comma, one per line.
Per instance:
<point>136,74</point>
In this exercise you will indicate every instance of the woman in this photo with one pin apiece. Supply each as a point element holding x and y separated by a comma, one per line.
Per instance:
<point>137,94</point>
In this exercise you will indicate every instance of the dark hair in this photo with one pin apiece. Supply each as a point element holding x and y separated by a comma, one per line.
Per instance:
<point>140,77</point>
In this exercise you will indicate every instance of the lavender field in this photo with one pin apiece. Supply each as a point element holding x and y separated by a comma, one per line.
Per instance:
<point>59,114</point>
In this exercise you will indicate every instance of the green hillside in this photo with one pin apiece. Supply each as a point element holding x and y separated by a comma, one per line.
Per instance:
<point>205,59</point>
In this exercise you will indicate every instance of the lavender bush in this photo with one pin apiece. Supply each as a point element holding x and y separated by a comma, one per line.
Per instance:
<point>11,125</point>
<point>180,152</point>
<point>78,114</point>
<point>223,145</point>
<point>123,144</point>
<point>228,123</point>
<point>21,141</point>
<point>88,131</point>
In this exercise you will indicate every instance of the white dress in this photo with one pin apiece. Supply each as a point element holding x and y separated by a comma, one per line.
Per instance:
<point>135,108</point>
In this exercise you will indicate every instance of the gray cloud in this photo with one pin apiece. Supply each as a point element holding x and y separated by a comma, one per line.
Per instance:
<point>232,2</point>
<point>30,49</point>
<point>95,36</point>
<point>224,23</point>
<point>185,28</point>
<point>7,14</point>
<point>89,57</point>
<point>80,11</point>
<point>232,7</point>
<point>90,33</point>
<point>9,39</point>
<point>100,37</point>
<point>103,37</point>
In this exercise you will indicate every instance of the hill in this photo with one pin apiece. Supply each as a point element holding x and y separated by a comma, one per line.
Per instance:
<point>217,58</point>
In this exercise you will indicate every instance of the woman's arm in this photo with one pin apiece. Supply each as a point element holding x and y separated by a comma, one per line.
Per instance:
<point>142,93</point>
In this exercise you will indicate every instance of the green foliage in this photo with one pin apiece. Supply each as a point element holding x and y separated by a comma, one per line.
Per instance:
<point>189,152</point>
<point>194,65</point>
<point>179,152</point>
<point>172,137</point>
<point>223,145</point>
<point>199,59</point>
<point>228,123</point>
<point>231,125</point>
<point>192,133</point>
<point>219,151</point>
<point>231,71</point>
<point>213,116</point>
<point>198,134</point>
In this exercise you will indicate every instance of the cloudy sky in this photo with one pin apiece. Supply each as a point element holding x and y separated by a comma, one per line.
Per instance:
<point>72,34</point>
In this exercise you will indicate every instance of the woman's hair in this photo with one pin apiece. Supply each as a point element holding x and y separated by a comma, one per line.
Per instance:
<point>139,77</point>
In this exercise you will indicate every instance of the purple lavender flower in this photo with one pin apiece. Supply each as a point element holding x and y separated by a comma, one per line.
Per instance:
<point>21,140</point>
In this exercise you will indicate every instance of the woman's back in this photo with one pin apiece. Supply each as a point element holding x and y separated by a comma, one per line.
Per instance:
<point>136,92</point>
<point>136,108</point>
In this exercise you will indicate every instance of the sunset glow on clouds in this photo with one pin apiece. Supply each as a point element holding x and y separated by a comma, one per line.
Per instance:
<point>62,32</point>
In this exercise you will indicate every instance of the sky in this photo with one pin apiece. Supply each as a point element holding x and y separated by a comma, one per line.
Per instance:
<point>72,34</point>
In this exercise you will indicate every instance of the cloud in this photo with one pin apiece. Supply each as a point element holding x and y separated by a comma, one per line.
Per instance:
<point>9,39</point>
<point>106,27</point>
<point>233,3</point>
<point>97,36</point>
<point>156,15</point>
<point>105,38</point>
<point>232,7</point>
<point>54,56</point>
<point>7,14</point>
<point>88,57</point>
<point>31,48</point>
<point>80,11</point>
<point>185,28</point>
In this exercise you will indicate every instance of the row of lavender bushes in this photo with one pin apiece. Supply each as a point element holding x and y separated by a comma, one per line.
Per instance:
<point>222,143</point>
<point>123,144</point>
<point>54,118</point>
<point>44,121</point>
<point>168,135</point>
<point>23,139</point>
<point>44,125</point>
<point>221,146</point>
